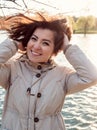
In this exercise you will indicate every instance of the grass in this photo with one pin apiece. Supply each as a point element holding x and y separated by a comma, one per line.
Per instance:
<point>88,32</point>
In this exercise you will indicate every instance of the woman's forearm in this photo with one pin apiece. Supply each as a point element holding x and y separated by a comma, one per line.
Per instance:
<point>85,74</point>
<point>7,50</point>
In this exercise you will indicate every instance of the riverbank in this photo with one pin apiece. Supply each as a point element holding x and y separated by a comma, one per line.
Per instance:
<point>87,32</point>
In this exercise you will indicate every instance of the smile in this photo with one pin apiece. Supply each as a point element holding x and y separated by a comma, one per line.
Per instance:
<point>35,53</point>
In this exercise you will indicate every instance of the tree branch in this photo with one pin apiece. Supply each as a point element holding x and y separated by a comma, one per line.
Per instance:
<point>14,2</point>
<point>45,4</point>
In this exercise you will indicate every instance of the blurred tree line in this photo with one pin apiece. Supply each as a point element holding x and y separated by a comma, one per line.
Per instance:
<point>83,24</point>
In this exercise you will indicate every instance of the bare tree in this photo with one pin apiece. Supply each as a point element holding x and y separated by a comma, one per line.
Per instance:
<point>24,7</point>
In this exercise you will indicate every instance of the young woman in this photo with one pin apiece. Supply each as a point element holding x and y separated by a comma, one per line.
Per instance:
<point>36,86</point>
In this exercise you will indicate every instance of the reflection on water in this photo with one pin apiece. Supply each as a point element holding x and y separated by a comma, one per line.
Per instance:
<point>80,109</point>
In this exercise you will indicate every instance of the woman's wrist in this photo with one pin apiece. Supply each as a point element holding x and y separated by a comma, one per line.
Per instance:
<point>66,48</point>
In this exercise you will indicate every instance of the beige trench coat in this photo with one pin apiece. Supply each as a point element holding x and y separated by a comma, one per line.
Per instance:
<point>40,108</point>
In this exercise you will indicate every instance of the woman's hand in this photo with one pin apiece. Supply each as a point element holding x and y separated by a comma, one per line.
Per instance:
<point>19,46</point>
<point>66,40</point>
<point>66,43</point>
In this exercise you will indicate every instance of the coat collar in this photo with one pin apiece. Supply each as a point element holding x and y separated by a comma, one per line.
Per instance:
<point>37,66</point>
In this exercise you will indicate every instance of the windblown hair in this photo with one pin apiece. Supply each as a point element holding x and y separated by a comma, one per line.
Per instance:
<point>22,28</point>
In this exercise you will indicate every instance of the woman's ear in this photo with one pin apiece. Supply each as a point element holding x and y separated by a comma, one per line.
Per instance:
<point>21,48</point>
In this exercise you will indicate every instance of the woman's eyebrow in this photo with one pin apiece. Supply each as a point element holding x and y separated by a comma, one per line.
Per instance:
<point>43,39</point>
<point>35,35</point>
<point>47,40</point>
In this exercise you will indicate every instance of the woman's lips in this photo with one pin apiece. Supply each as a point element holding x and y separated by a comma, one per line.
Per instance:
<point>35,53</point>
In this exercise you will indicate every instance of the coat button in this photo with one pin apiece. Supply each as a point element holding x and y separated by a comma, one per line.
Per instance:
<point>38,75</point>
<point>39,67</point>
<point>36,119</point>
<point>28,90</point>
<point>38,95</point>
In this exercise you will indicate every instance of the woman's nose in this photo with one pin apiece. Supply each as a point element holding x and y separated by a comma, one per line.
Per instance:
<point>37,45</point>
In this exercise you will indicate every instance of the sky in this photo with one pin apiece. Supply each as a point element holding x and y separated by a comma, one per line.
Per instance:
<point>68,7</point>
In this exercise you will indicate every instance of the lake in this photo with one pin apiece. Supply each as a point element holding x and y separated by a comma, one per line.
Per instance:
<point>80,109</point>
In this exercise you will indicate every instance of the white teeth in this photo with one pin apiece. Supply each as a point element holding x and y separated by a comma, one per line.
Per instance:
<point>35,53</point>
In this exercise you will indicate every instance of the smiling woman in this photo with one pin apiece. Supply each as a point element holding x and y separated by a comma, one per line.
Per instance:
<point>40,46</point>
<point>36,85</point>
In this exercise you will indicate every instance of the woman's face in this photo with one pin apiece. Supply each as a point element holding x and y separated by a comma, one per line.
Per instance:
<point>41,45</point>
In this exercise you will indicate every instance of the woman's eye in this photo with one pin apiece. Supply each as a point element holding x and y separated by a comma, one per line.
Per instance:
<point>46,43</point>
<point>33,38</point>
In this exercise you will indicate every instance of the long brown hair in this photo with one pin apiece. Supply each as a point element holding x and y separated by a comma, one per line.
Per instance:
<point>22,28</point>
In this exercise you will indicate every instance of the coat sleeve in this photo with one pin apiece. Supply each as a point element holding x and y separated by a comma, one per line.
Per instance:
<point>85,74</point>
<point>7,50</point>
